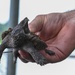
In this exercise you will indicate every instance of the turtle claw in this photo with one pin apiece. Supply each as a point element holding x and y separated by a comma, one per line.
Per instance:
<point>49,52</point>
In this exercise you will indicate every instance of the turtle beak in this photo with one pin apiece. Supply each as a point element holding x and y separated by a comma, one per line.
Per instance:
<point>25,26</point>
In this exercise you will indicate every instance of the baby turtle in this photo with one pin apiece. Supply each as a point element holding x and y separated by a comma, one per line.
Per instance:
<point>20,38</point>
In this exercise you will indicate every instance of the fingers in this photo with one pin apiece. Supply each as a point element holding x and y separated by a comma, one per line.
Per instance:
<point>37,24</point>
<point>25,57</point>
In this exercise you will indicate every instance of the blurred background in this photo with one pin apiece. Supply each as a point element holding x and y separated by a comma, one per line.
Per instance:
<point>11,13</point>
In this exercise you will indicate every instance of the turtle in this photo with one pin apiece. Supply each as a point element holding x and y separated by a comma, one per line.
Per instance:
<point>21,38</point>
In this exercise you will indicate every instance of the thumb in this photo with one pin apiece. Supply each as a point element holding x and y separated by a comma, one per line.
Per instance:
<point>37,23</point>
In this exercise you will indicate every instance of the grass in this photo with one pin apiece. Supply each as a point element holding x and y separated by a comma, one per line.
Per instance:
<point>0,41</point>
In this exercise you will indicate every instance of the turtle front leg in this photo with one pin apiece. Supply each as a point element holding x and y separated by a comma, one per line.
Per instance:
<point>36,55</point>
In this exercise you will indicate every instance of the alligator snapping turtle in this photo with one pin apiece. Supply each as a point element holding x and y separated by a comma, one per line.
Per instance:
<point>20,38</point>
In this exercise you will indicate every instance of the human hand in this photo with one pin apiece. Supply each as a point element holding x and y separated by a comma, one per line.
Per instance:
<point>57,32</point>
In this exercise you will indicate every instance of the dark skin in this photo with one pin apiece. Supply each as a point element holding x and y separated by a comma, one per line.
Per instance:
<point>58,32</point>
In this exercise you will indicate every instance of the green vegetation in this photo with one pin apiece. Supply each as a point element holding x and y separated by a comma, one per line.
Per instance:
<point>3,27</point>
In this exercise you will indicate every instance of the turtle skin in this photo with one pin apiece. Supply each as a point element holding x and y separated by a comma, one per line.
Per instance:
<point>20,38</point>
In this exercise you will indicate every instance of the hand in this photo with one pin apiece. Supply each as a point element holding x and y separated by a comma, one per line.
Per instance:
<point>57,31</point>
